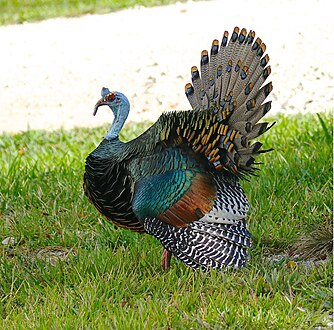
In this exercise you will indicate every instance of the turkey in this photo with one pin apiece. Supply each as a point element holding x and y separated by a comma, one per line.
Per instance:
<point>179,180</point>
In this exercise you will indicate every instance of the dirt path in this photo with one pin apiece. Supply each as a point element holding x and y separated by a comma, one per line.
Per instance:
<point>51,72</point>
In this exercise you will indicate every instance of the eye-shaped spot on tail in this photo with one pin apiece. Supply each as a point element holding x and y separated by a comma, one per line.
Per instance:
<point>261,50</point>
<point>250,37</point>
<point>256,44</point>
<point>244,72</point>
<point>214,47</point>
<point>225,39</point>
<point>250,104</point>
<point>194,72</point>
<point>248,88</point>
<point>235,34</point>
<point>267,89</point>
<point>237,66</point>
<point>204,57</point>
<point>264,61</point>
<point>189,90</point>
<point>266,72</point>
<point>242,35</point>
<point>229,66</point>
<point>219,71</point>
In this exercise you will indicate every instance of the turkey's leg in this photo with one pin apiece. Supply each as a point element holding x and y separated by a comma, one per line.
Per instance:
<point>165,260</point>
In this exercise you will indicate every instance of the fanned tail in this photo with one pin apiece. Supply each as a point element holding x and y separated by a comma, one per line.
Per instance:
<point>231,83</point>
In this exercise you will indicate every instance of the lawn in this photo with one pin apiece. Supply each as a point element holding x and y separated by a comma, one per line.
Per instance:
<point>19,11</point>
<point>67,268</point>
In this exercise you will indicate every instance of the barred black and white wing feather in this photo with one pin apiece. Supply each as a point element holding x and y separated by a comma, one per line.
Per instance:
<point>219,239</point>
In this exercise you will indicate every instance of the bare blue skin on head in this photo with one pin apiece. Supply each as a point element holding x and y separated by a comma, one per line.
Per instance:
<point>119,105</point>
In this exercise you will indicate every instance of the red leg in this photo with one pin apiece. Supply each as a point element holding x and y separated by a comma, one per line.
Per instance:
<point>165,260</point>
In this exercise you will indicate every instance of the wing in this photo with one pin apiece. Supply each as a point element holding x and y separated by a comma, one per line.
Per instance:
<point>173,186</point>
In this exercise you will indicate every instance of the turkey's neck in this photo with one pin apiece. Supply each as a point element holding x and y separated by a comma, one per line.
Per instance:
<point>120,117</point>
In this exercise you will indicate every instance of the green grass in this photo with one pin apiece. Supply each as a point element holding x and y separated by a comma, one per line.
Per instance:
<point>14,11</point>
<point>110,278</point>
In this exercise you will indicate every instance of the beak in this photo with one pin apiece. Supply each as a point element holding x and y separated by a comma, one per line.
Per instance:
<point>98,104</point>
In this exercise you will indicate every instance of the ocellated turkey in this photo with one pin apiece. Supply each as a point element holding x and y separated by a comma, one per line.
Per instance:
<point>179,180</point>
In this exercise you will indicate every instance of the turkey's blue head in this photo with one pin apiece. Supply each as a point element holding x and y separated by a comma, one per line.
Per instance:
<point>120,107</point>
<point>116,101</point>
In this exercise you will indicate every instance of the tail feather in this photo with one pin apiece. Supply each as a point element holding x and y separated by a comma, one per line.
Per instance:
<point>214,57</point>
<point>258,130</point>
<point>205,70</point>
<point>198,87</point>
<point>261,112</point>
<point>225,52</point>
<point>191,95</point>
<point>232,84</point>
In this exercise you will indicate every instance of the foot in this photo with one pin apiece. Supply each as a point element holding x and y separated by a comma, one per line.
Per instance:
<point>165,260</point>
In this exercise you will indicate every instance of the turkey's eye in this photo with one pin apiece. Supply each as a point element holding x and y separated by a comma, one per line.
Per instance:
<point>110,97</point>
